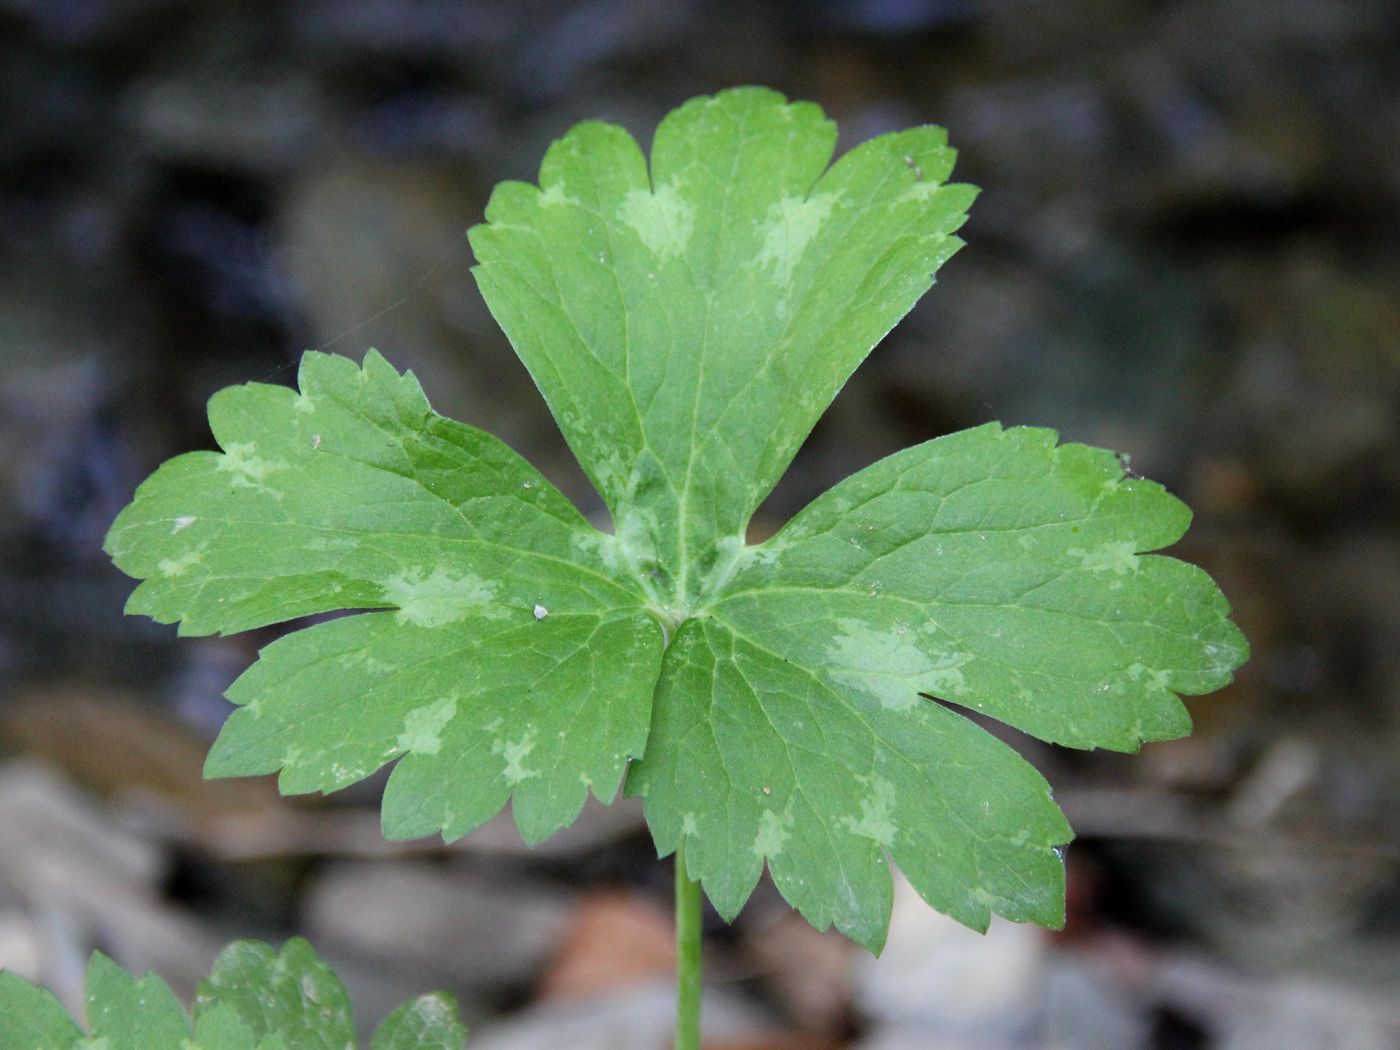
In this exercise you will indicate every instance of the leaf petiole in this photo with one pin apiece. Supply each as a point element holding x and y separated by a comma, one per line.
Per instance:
<point>687,956</point>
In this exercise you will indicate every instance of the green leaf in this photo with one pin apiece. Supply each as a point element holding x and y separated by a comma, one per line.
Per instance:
<point>32,1019</point>
<point>798,704</point>
<point>427,1023</point>
<point>255,999</point>
<point>125,1013</point>
<point>689,323</point>
<point>291,994</point>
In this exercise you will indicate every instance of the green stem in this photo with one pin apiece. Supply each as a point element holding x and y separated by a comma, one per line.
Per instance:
<point>687,957</point>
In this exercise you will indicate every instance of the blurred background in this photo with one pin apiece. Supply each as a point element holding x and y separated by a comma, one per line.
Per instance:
<point>1186,249</point>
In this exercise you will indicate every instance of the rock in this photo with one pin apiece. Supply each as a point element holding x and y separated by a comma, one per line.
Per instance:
<point>936,975</point>
<point>1300,1015</point>
<point>56,477</point>
<point>614,940</point>
<point>453,32</point>
<point>214,117</point>
<point>896,1037</point>
<point>124,748</point>
<point>808,971</point>
<point>447,920</point>
<point>52,835</point>
<point>594,35</point>
<point>777,1042</point>
<point>1084,1009</point>
<point>90,883</point>
<point>21,952</point>
<point>641,1018</point>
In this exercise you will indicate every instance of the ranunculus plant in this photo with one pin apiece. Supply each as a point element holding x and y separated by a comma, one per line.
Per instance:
<point>794,704</point>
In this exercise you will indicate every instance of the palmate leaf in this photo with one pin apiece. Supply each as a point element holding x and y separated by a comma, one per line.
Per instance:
<point>255,999</point>
<point>782,704</point>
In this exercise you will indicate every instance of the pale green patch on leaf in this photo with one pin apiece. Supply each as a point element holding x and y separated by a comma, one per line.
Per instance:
<point>663,220</point>
<point>772,834</point>
<point>437,598</point>
<point>422,727</point>
<point>255,999</point>
<point>688,317</point>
